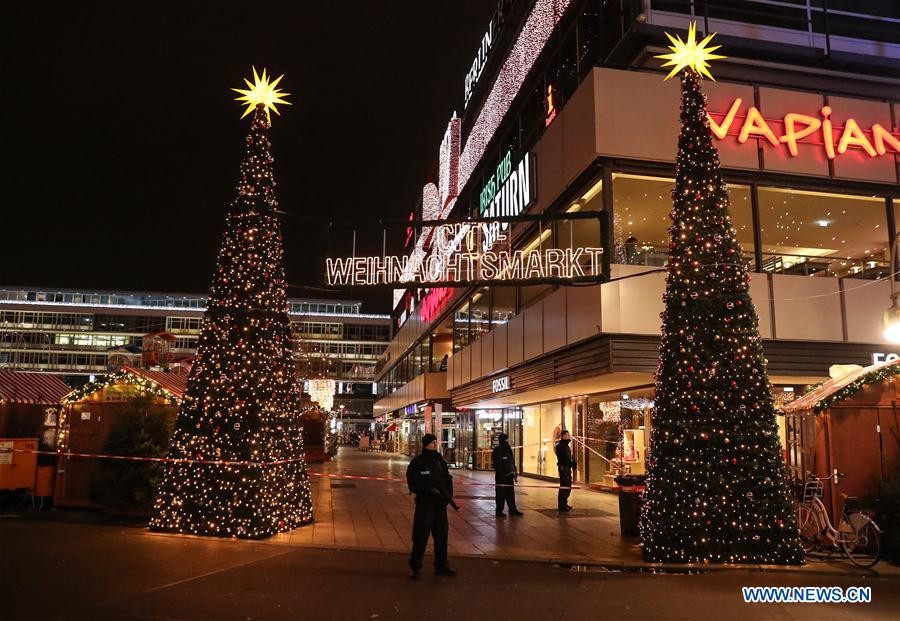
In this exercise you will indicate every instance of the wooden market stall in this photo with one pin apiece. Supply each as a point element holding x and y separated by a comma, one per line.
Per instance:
<point>29,409</point>
<point>89,414</point>
<point>849,424</point>
<point>315,422</point>
<point>24,401</point>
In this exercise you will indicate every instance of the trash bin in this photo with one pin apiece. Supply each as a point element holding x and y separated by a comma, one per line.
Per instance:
<point>631,487</point>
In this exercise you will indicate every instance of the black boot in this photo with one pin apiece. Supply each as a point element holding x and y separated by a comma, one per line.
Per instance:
<point>444,571</point>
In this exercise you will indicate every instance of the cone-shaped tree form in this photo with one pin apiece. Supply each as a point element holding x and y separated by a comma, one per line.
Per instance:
<point>716,488</point>
<point>240,406</point>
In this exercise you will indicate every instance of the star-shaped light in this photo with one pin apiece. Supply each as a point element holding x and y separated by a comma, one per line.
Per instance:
<point>690,54</point>
<point>261,91</point>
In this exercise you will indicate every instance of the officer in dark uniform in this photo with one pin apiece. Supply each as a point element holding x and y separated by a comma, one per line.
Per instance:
<point>505,476</point>
<point>566,464</point>
<point>428,477</point>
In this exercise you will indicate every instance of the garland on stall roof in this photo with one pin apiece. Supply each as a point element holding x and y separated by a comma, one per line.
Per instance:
<point>852,388</point>
<point>148,386</point>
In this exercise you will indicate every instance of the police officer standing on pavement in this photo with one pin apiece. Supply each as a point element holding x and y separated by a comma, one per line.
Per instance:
<point>566,464</point>
<point>428,477</point>
<point>505,476</point>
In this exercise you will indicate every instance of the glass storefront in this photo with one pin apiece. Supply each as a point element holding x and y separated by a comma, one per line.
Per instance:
<point>542,425</point>
<point>611,434</point>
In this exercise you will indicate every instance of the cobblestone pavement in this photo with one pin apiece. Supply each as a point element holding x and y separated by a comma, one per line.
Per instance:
<point>377,515</point>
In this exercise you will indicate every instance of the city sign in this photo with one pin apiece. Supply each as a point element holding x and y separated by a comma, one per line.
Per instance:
<point>796,128</point>
<point>470,253</point>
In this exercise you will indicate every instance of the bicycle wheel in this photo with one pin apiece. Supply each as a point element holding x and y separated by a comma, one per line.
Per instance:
<point>865,547</point>
<point>809,528</point>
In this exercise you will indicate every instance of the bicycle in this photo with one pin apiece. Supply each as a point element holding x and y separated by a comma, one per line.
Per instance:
<point>857,534</point>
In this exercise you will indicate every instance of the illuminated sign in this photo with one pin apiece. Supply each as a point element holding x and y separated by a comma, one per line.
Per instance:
<point>796,128</point>
<point>551,106</point>
<point>879,357</point>
<point>508,192</point>
<point>433,302</point>
<point>487,42</point>
<point>457,258</point>
<point>468,268</point>
<point>500,384</point>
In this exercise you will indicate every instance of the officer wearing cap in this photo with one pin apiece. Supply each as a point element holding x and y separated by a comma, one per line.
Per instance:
<point>505,476</point>
<point>428,477</point>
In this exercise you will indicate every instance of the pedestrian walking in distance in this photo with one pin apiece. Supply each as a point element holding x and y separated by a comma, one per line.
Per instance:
<point>566,464</point>
<point>428,477</point>
<point>505,476</point>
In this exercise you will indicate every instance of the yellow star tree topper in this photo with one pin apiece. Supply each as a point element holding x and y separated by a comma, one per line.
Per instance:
<point>262,91</point>
<point>690,54</point>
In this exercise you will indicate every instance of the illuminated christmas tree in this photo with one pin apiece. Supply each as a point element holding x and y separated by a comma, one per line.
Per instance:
<point>716,488</point>
<point>238,427</point>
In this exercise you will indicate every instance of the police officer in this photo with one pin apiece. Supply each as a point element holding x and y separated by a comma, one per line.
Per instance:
<point>505,476</point>
<point>566,464</point>
<point>428,477</point>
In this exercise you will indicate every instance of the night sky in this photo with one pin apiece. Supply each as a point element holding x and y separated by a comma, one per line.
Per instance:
<point>123,141</point>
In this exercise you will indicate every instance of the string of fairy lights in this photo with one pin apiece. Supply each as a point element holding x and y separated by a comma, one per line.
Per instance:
<point>716,488</point>
<point>241,403</point>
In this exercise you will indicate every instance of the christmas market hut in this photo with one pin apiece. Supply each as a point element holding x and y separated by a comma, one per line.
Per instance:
<point>129,412</point>
<point>849,425</point>
<point>29,409</point>
<point>24,401</point>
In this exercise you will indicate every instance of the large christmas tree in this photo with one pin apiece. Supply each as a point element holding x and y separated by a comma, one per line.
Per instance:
<point>238,429</point>
<point>716,488</point>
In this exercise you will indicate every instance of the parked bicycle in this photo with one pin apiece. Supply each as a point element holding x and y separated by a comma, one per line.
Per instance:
<point>857,534</point>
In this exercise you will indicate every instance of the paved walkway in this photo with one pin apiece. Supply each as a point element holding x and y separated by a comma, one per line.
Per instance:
<point>377,515</point>
<point>373,515</point>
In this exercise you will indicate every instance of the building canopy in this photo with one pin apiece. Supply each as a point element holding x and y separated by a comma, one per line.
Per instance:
<point>31,388</point>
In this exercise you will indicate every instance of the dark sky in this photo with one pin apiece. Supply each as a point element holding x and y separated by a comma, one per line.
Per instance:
<point>123,141</point>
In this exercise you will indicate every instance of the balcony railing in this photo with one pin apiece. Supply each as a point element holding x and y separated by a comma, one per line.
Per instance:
<point>852,26</point>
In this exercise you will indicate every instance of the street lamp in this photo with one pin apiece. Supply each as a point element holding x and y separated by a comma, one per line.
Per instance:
<point>891,317</point>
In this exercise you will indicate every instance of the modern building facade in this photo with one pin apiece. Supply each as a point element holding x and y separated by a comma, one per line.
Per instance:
<point>572,87</point>
<point>80,333</point>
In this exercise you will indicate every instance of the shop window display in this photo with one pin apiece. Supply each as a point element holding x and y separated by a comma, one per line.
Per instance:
<point>541,427</point>
<point>617,438</point>
<point>488,426</point>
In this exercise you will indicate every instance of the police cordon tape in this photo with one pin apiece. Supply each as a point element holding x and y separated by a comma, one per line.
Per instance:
<point>225,462</point>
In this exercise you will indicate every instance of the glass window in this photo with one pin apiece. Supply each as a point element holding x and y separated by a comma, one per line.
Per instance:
<point>488,425</point>
<point>582,233</point>
<point>480,313</point>
<point>641,219</point>
<point>541,427</point>
<point>819,234</point>
<point>461,327</point>
<point>503,305</point>
<point>542,239</point>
